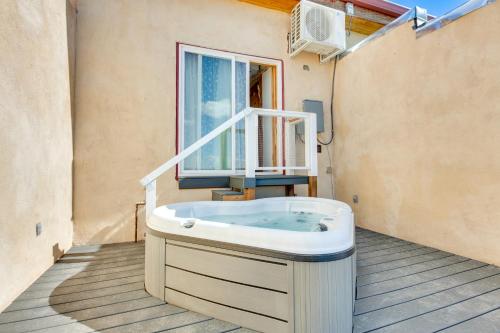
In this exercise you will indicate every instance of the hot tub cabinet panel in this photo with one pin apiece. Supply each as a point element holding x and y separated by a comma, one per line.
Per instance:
<point>262,289</point>
<point>323,299</point>
<point>261,293</point>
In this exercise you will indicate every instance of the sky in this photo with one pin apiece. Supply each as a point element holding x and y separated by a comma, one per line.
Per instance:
<point>434,7</point>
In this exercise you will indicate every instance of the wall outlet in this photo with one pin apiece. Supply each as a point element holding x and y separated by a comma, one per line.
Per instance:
<point>329,170</point>
<point>38,229</point>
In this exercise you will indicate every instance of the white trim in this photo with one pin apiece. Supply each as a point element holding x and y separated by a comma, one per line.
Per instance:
<point>183,48</point>
<point>283,168</point>
<point>233,112</point>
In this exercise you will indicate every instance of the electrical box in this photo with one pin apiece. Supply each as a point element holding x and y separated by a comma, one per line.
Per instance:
<point>316,107</point>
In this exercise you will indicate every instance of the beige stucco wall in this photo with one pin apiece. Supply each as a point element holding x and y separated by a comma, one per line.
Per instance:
<point>125,97</point>
<point>35,141</point>
<point>418,135</point>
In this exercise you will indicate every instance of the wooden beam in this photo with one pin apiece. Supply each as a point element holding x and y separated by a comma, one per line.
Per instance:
<point>281,5</point>
<point>313,186</point>
<point>249,193</point>
<point>362,26</point>
<point>290,190</point>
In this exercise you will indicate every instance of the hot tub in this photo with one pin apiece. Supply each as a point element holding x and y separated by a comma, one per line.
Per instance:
<point>273,265</point>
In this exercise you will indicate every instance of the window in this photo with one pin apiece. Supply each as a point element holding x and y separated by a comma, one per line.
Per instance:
<point>214,86</point>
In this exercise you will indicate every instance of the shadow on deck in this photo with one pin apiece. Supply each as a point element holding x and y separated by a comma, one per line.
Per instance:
<point>401,287</point>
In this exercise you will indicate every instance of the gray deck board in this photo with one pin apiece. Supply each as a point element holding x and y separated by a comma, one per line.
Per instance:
<point>381,246</point>
<point>485,323</point>
<point>433,291</point>
<point>209,326</point>
<point>405,262</point>
<point>409,270</point>
<point>85,280</point>
<point>404,254</point>
<point>100,289</point>
<point>401,287</point>
<point>445,317</point>
<point>383,287</point>
<point>389,251</point>
<point>60,319</point>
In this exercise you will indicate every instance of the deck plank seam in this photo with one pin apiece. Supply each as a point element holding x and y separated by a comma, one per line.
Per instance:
<point>434,310</point>
<point>149,319</point>
<point>91,263</point>
<point>102,253</point>
<point>99,317</point>
<point>385,248</point>
<point>368,248</point>
<point>361,240</point>
<point>399,267</point>
<point>78,292</point>
<point>141,262</point>
<point>373,237</point>
<point>231,330</point>
<point>384,262</point>
<point>79,284</point>
<point>410,274</point>
<point>96,260</point>
<point>79,300</point>
<point>471,318</point>
<point>71,311</point>
<point>183,325</point>
<point>85,290</point>
<point>433,293</point>
<point>418,247</point>
<point>416,284</point>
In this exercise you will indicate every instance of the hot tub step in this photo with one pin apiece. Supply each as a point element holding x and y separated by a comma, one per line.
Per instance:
<point>227,195</point>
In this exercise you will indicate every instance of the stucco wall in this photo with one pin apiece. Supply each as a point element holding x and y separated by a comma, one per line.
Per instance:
<point>126,91</point>
<point>418,134</point>
<point>35,141</point>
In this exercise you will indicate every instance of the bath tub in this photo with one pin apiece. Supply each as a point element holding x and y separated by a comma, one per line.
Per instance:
<point>273,265</point>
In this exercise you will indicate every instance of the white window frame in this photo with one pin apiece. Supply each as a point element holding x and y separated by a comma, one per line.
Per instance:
<point>234,57</point>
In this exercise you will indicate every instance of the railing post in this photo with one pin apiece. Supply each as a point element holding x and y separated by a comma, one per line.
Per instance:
<point>310,145</point>
<point>150,198</point>
<point>251,121</point>
<point>312,154</point>
<point>289,146</point>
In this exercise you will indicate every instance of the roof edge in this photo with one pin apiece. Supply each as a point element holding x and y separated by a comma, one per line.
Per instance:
<point>380,6</point>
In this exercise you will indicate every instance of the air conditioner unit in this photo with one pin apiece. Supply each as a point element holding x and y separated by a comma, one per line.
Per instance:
<point>318,29</point>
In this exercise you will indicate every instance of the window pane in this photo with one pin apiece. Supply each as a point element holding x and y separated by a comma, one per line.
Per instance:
<point>192,120</point>
<point>207,104</point>
<point>241,104</point>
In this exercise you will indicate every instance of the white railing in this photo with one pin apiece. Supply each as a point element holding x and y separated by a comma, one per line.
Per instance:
<point>251,116</point>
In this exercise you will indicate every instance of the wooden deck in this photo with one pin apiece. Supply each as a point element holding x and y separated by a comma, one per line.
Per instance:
<point>402,287</point>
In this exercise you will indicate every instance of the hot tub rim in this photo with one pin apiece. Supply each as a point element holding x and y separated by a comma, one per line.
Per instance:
<point>322,257</point>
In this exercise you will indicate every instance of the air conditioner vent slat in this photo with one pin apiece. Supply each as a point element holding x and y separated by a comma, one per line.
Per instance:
<point>316,28</point>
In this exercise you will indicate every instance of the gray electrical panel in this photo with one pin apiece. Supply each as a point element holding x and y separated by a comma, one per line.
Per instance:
<point>316,107</point>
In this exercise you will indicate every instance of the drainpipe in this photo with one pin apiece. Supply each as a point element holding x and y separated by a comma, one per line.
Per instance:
<point>137,204</point>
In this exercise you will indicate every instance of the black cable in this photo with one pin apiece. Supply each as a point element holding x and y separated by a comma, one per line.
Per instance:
<point>331,105</point>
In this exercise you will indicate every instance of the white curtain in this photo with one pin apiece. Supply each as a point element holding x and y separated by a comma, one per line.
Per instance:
<point>192,100</point>
<point>241,104</point>
<point>207,104</point>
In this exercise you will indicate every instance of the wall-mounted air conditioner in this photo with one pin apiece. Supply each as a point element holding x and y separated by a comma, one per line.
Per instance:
<point>318,29</point>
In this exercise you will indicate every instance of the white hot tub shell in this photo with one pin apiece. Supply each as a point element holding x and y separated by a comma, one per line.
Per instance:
<point>269,280</point>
